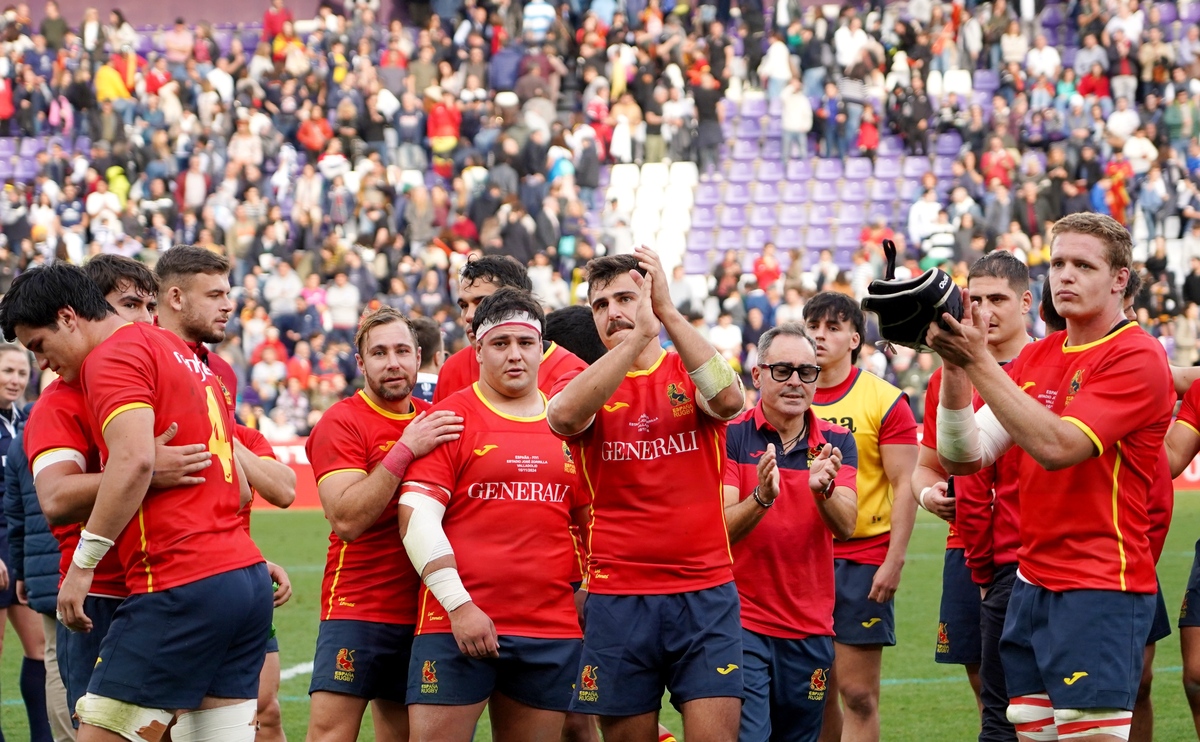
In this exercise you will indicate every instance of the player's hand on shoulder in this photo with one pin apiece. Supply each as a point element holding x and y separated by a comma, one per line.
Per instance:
<point>768,475</point>
<point>283,583</point>
<point>935,501</point>
<point>474,632</point>
<point>178,466</point>
<point>429,430</point>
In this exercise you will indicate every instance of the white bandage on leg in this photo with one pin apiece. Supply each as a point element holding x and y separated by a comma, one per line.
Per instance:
<point>131,722</point>
<point>1083,723</point>
<point>235,723</point>
<point>425,540</point>
<point>1033,717</point>
<point>713,376</point>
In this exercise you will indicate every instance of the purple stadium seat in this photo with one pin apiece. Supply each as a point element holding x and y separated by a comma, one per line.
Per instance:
<point>846,238</point>
<point>909,191</point>
<point>775,107</point>
<point>828,169</point>
<point>699,240</point>
<point>737,194</point>
<point>914,166</point>
<point>605,174</point>
<point>26,169</point>
<point>745,149</point>
<point>696,263</point>
<point>766,194</point>
<point>854,191</point>
<point>772,150</point>
<point>879,210</point>
<point>1052,15</point>
<point>730,239</point>
<point>799,170</point>
<point>858,168</point>
<point>8,148</point>
<point>703,218</point>
<point>848,214</point>
<point>741,172</point>
<point>818,238</point>
<point>825,193</point>
<point>820,214</point>
<point>732,217</point>
<point>762,216</point>
<point>1051,35</point>
<point>754,108</point>
<point>883,191</point>
<point>795,192</point>
<point>6,169</point>
<point>770,171</point>
<point>987,81</point>
<point>793,215</point>
<point>1192,16</point>
<point>787,238</point>
<point>891,147</point>
<point>948,144</point>
<point>887,168</point>
<point>774,128</point>
<point>943,167</point>
<point>759,237</point>
<point>30,146</point>
<point>1167,12</point>
<point>748,129</point>
<point>224,40</point>
<point>708,194</point>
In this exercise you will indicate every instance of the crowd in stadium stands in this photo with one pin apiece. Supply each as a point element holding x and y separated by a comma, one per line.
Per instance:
<point>342,161</point>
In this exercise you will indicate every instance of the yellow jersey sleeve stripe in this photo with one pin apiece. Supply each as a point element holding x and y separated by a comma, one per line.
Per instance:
<point>1189,426</point>
<point>119,410</point>
<point>338,471</point>
<point>1088,432</point>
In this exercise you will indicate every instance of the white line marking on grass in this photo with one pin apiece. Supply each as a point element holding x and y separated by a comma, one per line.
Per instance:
<point>304,668</point>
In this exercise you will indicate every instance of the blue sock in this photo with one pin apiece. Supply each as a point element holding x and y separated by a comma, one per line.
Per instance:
<point>33,691</point>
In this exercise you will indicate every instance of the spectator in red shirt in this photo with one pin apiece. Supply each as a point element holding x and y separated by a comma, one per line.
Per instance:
<point>273,20</point>
<point>158,76</point>
<point>766,266</point>
<point>315,133</point>
<point>1094,85</point>
<point>998,163</point>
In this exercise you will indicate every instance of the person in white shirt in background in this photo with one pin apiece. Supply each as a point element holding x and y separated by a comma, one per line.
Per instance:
<point>775,70</point>
<point>797,119</point>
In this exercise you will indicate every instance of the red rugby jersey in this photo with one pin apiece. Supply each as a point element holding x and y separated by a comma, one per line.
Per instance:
<point>461,370</point>
<point>986,522</point>
<point>929,440</point>
<point>653,464</point>
<point>183,534</point>
<point>60,424</point>
<point>784,567</point>
<point>1087,525</point>
<point>511,471</point>
<point>260,447</point>
<point>369,578</point>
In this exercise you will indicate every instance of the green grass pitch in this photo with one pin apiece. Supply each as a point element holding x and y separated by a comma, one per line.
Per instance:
<point>921,700</point>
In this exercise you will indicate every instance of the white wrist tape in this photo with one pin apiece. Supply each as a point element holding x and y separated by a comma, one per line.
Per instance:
<point>425,540</point>
<point>994,440</point>
<point>90,550</point>
<point>921,498</point>
<point>958,436</point>
<point>447,587</point>
<point>713,376</point>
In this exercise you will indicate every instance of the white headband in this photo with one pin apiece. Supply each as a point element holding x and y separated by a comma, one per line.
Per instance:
<point>524,319</point>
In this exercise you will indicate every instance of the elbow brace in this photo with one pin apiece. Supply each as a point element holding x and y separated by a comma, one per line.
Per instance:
<point>713,376</point>
<point>425,541</point>
<point>958,435</point>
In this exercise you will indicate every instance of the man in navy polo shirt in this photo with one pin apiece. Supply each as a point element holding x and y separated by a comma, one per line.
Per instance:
<point>789,486</point>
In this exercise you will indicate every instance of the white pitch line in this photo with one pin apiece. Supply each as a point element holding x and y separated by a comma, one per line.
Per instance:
<point>304,668</point>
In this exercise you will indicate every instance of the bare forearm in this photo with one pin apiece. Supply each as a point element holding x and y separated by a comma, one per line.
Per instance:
<point>571,409</point>
<point>740,519</point>
<point>956,388</point>
<point>122,489</point>
<point>273,481</point>
<point>840,512</point>
<point>69,499</point>
<point>904,515</point>
<point>361,504</point>
<point>1034,428</point>
<point>1184,377</point>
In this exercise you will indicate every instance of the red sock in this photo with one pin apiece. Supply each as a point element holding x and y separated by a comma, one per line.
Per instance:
<point>666,737</point>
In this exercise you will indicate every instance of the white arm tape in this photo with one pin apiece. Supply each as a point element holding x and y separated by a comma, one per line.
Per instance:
<point>713,376</point>
<point>958,436</point>
<point>425,540</point>
<point>994,440</point>
<point>50,458</point>
<point>90,550</point>
<point>921,498</point>
<point>447,587</point>
<point>706,408</point>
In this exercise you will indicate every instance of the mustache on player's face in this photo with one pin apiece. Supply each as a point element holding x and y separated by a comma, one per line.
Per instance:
<point>617,325</point>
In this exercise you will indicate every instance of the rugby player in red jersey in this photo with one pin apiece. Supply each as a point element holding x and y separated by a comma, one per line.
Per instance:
<point>981,550</point>
<point>789,486</point>
<point>498,625</point>
<point>359,451</point>
<point>194,304</point>
<point>1182,444</point>
<point>193,573</point>
<point>647,429</point>
<point>477,280</point>
<point>1086,407</point>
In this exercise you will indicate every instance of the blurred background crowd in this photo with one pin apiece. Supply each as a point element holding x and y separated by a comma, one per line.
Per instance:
<point>352,155</point>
